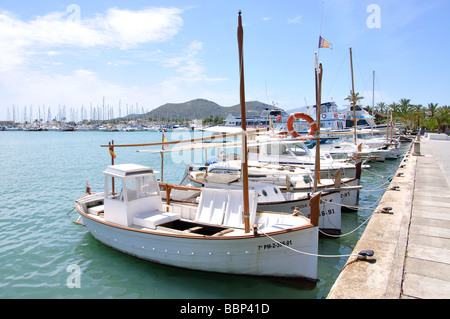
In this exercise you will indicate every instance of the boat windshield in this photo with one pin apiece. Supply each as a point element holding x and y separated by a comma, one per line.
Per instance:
<point>142,186</point>
<point>299,149</point>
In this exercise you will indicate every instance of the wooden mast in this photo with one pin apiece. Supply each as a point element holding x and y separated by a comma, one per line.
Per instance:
<point>318,80</point>
<point>162,159</point>
<point>353,98</point>
<point>244,164</point>
<point>113,156</point>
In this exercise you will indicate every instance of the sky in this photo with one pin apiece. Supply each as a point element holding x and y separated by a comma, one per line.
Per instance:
<point>137,55</point>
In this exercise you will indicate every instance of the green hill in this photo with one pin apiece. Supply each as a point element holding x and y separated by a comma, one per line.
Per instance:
<point>200,109</point>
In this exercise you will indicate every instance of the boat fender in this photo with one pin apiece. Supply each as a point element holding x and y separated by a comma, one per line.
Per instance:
<point>306,117</point>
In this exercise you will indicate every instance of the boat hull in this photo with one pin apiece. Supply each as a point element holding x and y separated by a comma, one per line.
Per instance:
<point>242,255</point>
<point>330,210</point>
<point>349,193</point>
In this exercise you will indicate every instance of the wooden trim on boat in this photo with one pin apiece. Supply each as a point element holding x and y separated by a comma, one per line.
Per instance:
<point>198,236</point>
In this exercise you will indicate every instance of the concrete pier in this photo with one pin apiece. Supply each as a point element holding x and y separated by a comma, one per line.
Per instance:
<point>412,242</point>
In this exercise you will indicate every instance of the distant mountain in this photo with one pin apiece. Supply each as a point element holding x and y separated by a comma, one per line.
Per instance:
<point>200,109</point>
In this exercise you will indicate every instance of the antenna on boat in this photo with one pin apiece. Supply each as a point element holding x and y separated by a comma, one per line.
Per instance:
<point>355,121</point>
<point>244,164</point>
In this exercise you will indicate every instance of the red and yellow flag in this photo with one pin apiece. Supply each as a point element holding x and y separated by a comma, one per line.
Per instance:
<point>324,44</point>
<point>113,155</point>
<point>165,140</point>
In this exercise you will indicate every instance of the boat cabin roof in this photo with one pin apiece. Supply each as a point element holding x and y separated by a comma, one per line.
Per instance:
<point>127,170</point>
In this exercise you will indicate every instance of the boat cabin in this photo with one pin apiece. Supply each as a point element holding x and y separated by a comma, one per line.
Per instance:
<point>131,191</point>
<point>132,198</point>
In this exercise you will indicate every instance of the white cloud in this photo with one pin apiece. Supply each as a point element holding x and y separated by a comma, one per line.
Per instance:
<point>38,60</point>
<point>116,28</point>
<point>297,19</point>
<point>129,28</point>
<point>188,65</point>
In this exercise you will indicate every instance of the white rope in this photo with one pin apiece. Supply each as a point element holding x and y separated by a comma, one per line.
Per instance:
<point>349,233</point>
<point>387,175</point>
<point>305,253</point>
<point>359,207</point>
<point>378,188</point>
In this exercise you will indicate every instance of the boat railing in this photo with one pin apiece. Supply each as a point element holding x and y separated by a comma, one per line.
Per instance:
<point>169,187</point>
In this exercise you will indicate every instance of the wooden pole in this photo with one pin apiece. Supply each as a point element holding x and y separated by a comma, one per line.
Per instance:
<point>192,140</point>
<point>314,203</point>
<point>111,147</point>
<point>244,167</point>
<point>162,166</point>
<point>318,82</point>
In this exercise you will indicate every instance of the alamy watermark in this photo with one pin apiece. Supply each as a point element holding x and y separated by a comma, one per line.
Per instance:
<point>374,19</point>
<point>74,279</point>
<point>74,13</point>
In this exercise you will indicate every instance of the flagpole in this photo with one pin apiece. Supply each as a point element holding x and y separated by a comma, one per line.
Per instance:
<point>162,159</point>
<point>111,148</point>
<point>320,33</point>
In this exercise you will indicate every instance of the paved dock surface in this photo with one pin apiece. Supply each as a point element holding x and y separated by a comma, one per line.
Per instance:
<point>412,244</point>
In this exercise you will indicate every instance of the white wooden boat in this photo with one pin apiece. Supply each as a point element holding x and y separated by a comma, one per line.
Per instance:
<point>294,152</point>
<point>210,236</point>
<point>289,180</point>
<point>214,235</point>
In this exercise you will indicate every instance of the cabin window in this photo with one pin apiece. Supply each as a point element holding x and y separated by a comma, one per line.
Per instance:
<point>298,150</point>
<point>115,192</point>
<point>142,186</point>
<point>277,149</point>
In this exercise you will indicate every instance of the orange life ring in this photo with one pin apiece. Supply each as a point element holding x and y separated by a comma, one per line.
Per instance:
<point>324,116</point>
<point>303,116</point>
<point>336,115</point>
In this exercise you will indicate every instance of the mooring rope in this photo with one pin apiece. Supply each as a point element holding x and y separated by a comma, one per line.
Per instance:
<point>305,253</point>
<point>350,232</point>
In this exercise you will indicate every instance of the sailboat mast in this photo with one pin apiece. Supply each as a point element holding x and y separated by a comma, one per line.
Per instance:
<point>373,93</point>
<point>318,80</point>
<point>353,98</point>
<point>244,164</point>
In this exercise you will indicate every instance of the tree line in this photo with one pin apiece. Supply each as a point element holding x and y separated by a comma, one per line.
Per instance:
<point>414,116</point>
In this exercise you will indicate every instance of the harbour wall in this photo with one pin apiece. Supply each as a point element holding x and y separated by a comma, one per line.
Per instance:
<point>380,276</point>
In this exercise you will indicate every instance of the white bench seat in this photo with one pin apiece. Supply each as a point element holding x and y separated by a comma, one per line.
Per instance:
<point>154,218</point>
<point>96,210</point>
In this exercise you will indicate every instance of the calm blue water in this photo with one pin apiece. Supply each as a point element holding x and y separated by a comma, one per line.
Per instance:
<point>43,173</point>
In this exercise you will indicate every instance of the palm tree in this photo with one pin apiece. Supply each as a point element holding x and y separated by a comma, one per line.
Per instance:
<point>418,115</point>
<point>357,98</point>
<point>432,107</point>
<point>431,124</point>
<point>402,111</point>
<point>442,117</point>
<point>381,107</point>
